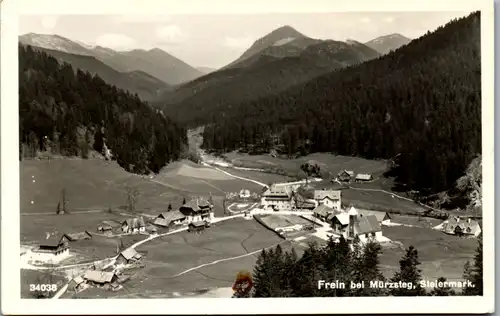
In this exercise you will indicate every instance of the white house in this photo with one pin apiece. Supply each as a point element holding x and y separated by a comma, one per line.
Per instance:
<point>352,224</point>
<point>461,227</point>
<point>277,198</point>
<point>52,250</point>
<point>330,198</point>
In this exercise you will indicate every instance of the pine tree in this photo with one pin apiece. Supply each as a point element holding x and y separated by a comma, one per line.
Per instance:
<point>369,268</point>
<point>409,273</point>
<point>474,273</point>
<point>442,291</point>
<point>169,207</point>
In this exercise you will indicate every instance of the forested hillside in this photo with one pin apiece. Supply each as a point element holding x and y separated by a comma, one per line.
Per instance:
<point>145,85</point>
<point>70,113</point>
<point>420,105</point>
<point>198,101</point>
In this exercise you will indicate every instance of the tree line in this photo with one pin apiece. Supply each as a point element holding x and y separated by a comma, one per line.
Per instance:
<point>69,112</point>
<point>279,273</point>
<point>419,106</point>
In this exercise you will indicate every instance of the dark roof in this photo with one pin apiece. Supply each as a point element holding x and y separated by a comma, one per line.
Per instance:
<point>78,236</point>
<point>171,216</point>
<point>99,276</point>
<point>197,204</point>
<point>323,210</point>
<point>111,223</point>
<point>128,253</point>
<point>465,225</point>
<point>379,215</point>
<point>136,222</point>
<point>52,241</point>
<point>367,224</point>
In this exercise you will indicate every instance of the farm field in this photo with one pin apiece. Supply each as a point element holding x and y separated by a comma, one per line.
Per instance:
<point>264,177</point>
<point>327,162</point>
<point>167,257</point>
<point>440,254</point>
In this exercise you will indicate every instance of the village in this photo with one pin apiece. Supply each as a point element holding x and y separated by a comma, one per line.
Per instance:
<point>295,211</point>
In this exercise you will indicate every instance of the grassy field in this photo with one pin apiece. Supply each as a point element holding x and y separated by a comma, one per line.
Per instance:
<point>327,162</point>
<point>276,221</point>
<point>440,254</point>
<point>169,256</point>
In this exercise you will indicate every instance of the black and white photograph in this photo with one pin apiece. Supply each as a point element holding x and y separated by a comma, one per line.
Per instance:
<point>195,156</point>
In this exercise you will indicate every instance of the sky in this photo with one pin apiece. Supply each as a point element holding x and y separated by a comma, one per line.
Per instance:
<point>214,40</point>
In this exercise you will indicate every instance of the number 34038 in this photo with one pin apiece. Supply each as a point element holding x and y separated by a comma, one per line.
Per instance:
<point>43,287</point>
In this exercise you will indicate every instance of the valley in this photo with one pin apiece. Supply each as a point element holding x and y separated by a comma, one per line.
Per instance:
<point>142,176</point>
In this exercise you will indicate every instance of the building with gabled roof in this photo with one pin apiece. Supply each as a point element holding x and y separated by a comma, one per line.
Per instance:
<point>197,209</point>
<point>76,283</point>
<point>197,226</point>
<point>461,227</point>
<point>382,217</point>
<point>70,237</point>
<point>302,203</point>
<point>331,198</point>
<point>134,225</point>
<point>345,175</point>
<point>353,223</point>
<point>363,177</point>
<point>277,197</point>
<point>322,212</point>
<point>127,256</point>
<point>168,219</point>
<point>99,277</point>
<point>51,250</point>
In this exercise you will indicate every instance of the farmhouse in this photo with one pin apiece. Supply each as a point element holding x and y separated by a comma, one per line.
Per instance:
<point>330,198</point>
<point>104,228</point>
<point>277,198</point>
<point>461,227</point>
<point>76,283</point>
<point>76,236</point>
<point>382,217</point>
<point>128,256</point>
<point>322,212</point>
<point>196,226</point>
<point>99,277</point>
<point>363,177</point>
<point>112,224</point>
<point>51,250</point>
<point>169,219</point>
<point>352,224</point>
<point>345,175</point>
<point>198,209</point>
<point>134,225</point>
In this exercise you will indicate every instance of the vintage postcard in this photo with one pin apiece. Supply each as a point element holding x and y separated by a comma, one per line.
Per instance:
<point>200,157</point>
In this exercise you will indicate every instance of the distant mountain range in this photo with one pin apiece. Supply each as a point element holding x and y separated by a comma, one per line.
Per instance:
<point>146,86</point>
<point>387,43</point>
<point>277,61</point>
<point>155,62</point>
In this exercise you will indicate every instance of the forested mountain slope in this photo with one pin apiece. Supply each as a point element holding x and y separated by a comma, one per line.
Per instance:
<point>198,101</point>
<point>420,105</point>
<point>68,113</point>
<point>145,85</point>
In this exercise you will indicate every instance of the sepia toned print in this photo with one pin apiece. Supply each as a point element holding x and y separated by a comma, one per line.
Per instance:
<point>278,155</point>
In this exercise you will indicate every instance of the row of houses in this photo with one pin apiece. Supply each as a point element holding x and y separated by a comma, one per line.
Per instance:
<point>283,198</point>
<point>348,175</point>
<point>197,211</point>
